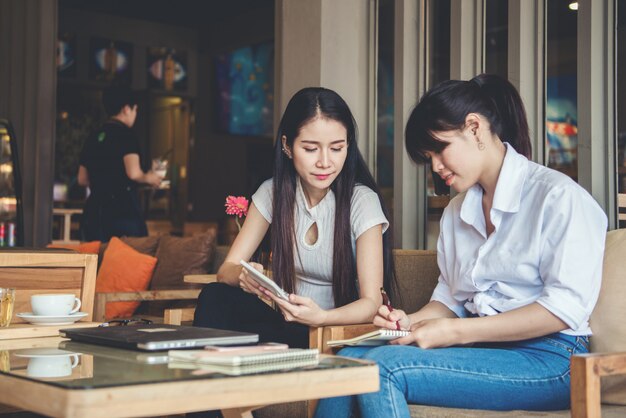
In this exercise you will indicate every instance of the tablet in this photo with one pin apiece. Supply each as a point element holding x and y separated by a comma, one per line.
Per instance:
<point>265,281</point>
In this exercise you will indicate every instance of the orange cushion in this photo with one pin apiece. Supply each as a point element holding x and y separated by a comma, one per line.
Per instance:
<point>123,269</point>
<point>91,247</point>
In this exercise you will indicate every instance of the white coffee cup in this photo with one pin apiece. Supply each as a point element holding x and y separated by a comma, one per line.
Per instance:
<point>54,304</point>
<point>51,366</point>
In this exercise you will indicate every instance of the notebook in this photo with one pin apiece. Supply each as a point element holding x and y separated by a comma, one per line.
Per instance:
<point>201,369</point>
<point>378,337</point>
<point>244,358</point>
<point>158,336</point>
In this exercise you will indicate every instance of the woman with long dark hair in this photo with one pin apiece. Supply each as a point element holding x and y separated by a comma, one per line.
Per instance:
<point>520,254</point>
<point>331,250</point>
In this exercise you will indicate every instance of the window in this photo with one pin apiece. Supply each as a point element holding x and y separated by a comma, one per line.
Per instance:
<point>561,79</point>
<point>384,105</point>
<point>496,37</point>
<point>438,33</point>
<point>620,85</point>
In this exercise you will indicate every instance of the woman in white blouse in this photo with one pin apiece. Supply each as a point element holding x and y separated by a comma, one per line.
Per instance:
<point>330,248</point>
<point>520,254</point>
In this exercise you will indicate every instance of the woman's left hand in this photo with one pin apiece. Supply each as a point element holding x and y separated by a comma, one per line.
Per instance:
<point>432,333</point>
<point>300,309</point>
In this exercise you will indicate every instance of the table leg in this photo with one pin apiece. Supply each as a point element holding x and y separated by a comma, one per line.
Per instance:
<point>245,412</point>
<point>67,225</point>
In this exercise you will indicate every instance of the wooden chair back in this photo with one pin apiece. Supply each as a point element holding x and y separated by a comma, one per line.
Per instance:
<point>621,207</point>
<point>48,271</point>
<point>178,316</point>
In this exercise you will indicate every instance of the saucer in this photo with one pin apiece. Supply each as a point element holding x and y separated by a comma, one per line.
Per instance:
<point>51,320</point>
<point>43,352</point>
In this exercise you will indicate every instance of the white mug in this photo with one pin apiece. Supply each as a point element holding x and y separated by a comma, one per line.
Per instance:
<point>54,304</point>
<point>51,366</point>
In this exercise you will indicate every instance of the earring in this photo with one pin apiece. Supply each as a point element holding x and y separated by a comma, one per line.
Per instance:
<point>481,145</point>
<point>286,152</point>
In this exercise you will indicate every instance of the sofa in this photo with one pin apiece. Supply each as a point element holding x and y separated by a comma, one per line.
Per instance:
<point>417,274</point>
<point>143,276</point>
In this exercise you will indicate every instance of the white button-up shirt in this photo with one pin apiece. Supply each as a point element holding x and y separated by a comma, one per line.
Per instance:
<point>547,247</point>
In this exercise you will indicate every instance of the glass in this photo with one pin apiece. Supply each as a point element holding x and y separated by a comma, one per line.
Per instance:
<point>113,367</point>
<point>7,300</point>
<point>5,363</point>
<point>497,37</point>
<point>620,85</point>
<point>11,228</point>
<point>159,166</point>
<point>561,93</point>
<point>384,105</point>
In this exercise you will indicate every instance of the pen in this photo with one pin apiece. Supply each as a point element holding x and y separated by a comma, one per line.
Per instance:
<point>387,303</point>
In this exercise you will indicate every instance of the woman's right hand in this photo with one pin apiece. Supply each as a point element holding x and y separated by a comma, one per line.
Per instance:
<point>247,284</point>
<point>388,319</point>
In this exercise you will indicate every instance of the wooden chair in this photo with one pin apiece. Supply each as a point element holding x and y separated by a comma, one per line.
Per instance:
<point>416,277</point>
<point>161,295</point>
<point>48,271</point>
<point>43,271</point>
<point>140,296</point>
<point>417,274</point>
<point>621,208</point>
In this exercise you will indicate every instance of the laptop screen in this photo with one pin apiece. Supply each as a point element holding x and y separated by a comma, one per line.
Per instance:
<point>158,336</point>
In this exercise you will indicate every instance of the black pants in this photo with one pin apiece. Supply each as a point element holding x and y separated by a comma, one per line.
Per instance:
<point>112,215</point>
<point>227,307</point>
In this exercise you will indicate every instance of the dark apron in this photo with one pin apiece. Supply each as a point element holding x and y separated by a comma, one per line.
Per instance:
<point>112,214</point>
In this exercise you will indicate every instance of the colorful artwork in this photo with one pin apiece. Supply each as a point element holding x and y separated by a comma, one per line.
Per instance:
<point>167,69</point>
<point>561,121</point>
<point>245,86</point>
<point>110,60</point>
<point>66,55</point>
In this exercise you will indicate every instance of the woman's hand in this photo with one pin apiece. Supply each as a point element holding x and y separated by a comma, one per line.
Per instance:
<point>388,319</point>
<point>431,333</point>
<point>247,284</point>
<point>299,309</point>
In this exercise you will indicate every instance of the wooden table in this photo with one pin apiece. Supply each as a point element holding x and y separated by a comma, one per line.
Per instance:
<point>147,389</point>
<point>200,278</point>
<point>67,224</point>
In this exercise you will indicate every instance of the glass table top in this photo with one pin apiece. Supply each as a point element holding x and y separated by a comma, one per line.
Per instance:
<point>73,365</point>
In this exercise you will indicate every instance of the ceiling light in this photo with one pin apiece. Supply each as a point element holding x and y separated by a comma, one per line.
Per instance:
<point>573,5</point>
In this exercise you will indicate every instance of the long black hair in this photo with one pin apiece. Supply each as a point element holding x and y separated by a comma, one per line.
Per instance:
<point>445,107</point>
<point>305,106</point>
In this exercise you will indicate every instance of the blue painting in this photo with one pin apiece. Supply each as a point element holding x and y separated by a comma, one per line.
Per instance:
<point>245,87</point>
<point>561,120</point>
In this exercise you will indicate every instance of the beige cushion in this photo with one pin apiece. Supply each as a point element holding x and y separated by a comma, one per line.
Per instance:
<point>416,273</point>
<point>420,411</point>
<point>608,320</point>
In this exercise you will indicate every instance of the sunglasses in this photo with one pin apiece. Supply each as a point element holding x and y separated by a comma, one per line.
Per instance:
<point>126,322</point>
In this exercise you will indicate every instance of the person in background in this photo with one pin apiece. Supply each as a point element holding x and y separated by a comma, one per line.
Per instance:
<point>331,250</point>
<point>520,255</point>
<point>110,166</point>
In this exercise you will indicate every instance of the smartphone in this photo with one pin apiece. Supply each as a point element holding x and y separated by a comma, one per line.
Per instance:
<point>265,281</point>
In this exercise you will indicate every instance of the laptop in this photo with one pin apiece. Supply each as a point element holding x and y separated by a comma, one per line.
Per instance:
<point>134,356</point>
<point>156,337</point>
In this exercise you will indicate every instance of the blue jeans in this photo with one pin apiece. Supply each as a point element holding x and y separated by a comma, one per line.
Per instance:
<point>530,375</point>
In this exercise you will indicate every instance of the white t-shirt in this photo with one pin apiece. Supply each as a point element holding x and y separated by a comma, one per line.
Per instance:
<point>314,274</point>
<point>547,247</point>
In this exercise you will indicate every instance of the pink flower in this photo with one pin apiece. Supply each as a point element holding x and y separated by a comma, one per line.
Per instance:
<point>236,205</point>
